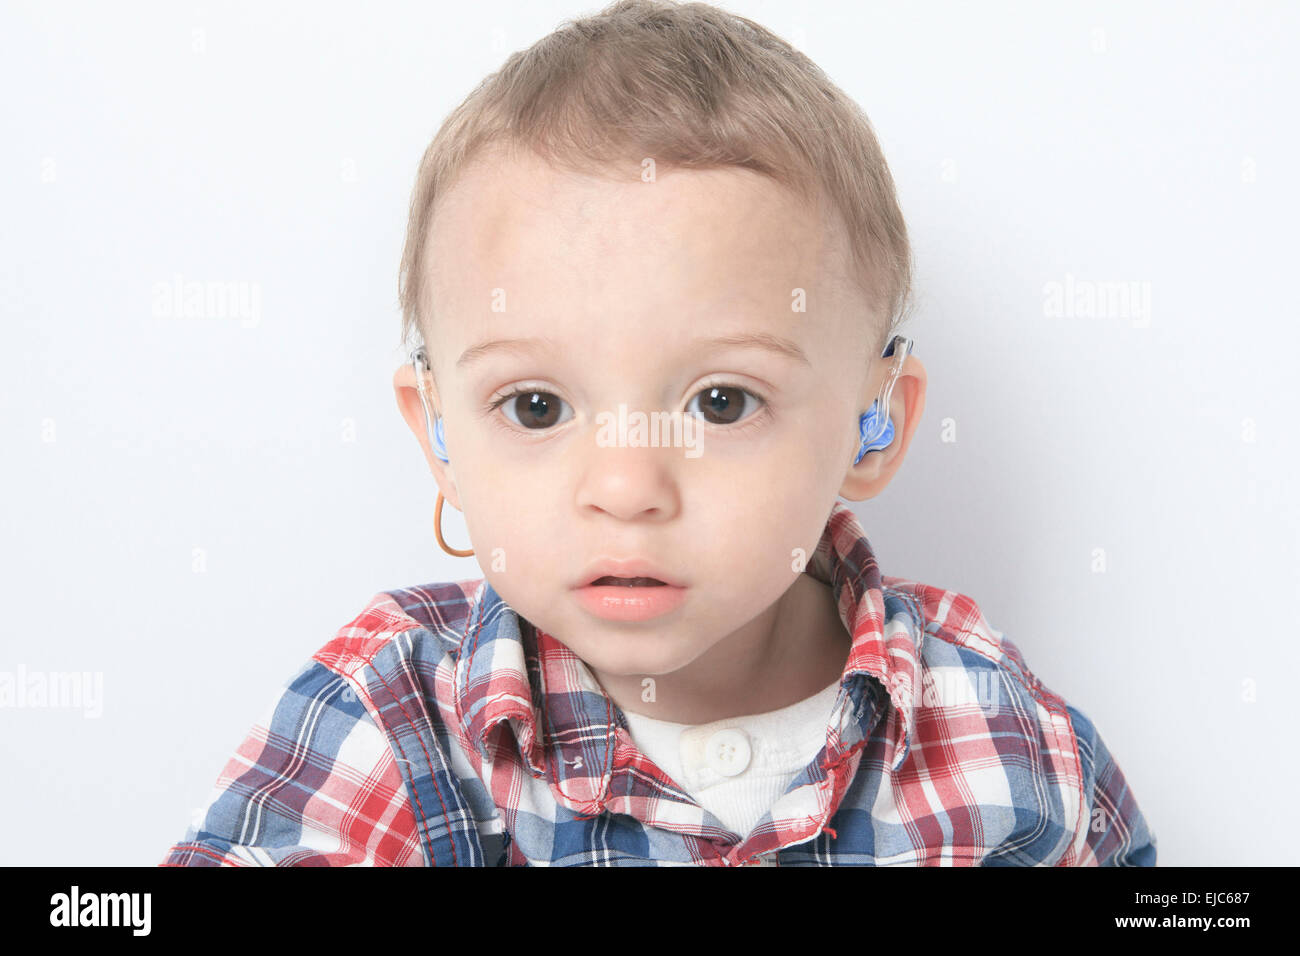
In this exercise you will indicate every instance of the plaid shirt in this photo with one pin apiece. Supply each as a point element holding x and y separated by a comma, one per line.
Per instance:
<point>439,728</point>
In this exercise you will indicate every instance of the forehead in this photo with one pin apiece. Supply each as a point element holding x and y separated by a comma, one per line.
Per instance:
<point>613,241</point>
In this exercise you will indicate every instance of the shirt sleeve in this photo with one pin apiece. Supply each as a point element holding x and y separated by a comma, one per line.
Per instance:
<point>1117,833</point>
<point>314,783</point>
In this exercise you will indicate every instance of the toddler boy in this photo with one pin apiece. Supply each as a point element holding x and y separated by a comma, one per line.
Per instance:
<point>654,269</point>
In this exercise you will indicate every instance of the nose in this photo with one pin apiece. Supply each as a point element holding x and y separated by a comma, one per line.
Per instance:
<point>629,483</point>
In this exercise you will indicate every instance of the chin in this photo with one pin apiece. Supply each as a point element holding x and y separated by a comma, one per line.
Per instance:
<point>631,662</point>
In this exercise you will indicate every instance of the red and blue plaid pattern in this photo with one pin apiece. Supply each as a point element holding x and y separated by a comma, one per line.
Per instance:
<point>439,728</point>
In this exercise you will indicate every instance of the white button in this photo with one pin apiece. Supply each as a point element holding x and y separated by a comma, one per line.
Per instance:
<point>728,751</point>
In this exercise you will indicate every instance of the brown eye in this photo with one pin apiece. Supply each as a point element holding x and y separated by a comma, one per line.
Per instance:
<point>724,404</point>
<point>534,409</point>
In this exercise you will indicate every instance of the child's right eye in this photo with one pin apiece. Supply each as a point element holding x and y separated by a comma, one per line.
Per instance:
<point>534,409</point>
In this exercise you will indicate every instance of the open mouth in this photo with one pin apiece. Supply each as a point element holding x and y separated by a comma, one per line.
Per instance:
<point>627,582</point>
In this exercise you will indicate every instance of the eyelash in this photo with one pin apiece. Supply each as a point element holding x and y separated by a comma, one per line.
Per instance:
<point>754,418</point>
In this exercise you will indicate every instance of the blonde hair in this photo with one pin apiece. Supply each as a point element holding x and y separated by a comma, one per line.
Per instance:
<point>691,86</point>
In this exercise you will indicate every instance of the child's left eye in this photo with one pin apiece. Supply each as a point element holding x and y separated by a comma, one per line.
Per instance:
<point>724,404</point>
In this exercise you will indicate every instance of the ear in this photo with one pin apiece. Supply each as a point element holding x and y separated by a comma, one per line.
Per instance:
<point>869,477</point>
<point>412,409</point>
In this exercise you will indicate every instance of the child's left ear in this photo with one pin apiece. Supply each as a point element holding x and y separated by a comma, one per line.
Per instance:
<point>868,478</point>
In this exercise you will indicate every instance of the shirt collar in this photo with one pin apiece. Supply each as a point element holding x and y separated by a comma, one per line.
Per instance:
<point>510,671</point>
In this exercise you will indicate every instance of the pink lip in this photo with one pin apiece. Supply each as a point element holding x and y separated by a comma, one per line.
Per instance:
<point>625,568</point>
<point>615,602</point>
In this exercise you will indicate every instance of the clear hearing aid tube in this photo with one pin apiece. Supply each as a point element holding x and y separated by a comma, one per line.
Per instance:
<point>900,347</point>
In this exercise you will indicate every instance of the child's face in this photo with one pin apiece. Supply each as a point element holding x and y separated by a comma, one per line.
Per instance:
<point>629,281</point>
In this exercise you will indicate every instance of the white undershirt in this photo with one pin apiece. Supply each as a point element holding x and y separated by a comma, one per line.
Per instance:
<point>709,761</point>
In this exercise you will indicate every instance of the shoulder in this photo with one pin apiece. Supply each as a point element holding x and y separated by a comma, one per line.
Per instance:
<point>957,635</point>
<point>359,758</point>
<point>1005,734</point>
<point>432,619</point>
<point>981,706</point>
<point>399,656</point>
<point>964,661</point>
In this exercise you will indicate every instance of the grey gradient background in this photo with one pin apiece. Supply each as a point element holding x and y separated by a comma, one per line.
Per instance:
<point>276,145</point>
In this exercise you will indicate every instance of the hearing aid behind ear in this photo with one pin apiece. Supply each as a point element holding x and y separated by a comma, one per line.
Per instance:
<point>432,423</point>
<point>875,429</point>
<point>439,442</point>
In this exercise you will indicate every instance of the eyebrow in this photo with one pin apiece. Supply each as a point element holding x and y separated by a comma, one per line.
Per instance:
<point>751,340</point>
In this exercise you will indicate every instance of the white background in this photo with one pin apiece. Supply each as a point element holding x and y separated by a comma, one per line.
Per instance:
<point>276,145</point>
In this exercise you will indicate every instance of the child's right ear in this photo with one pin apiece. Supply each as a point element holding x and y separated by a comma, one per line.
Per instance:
<point>412,409</point>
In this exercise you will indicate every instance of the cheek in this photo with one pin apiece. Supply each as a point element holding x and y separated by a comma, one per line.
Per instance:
<point>489,497</point>
<point>819,456</point>
<point>525,550</point>
<point>781,535</point>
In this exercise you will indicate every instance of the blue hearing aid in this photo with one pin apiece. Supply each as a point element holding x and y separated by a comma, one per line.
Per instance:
<point>432,423</point>
<point>440,441</point>
<point>875,429</point>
